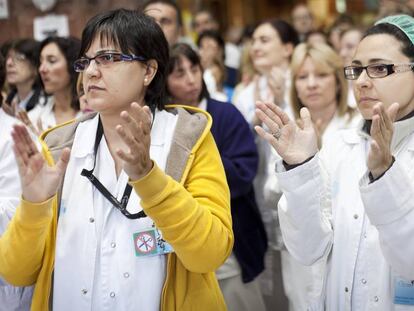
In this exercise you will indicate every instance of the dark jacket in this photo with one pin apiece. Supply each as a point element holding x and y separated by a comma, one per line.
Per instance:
<point>238,152</point>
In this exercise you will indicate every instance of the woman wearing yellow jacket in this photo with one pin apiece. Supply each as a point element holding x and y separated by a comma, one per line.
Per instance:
<point>137,212</point>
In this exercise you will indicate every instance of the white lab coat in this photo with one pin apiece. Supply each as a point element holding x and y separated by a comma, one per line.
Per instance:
<point>11,298</point>
<point>95,266</point>
<point>301,283</point>
<point>44,114</point>
<point>330,211</point>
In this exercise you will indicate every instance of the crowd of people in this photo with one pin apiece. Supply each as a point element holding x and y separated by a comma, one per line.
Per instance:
<point>142,170</point>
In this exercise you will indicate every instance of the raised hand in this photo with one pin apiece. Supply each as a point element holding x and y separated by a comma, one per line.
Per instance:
<point>23,116</point>
<point>135,131</point>
<point>382,128</point>
<point>39,181</point>
<point>293,143</point>
<point>276,82</point>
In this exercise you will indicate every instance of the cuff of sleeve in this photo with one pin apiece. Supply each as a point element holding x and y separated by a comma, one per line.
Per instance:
<point>298,175</point>
<point>33,213</point>
<point>150,185</point>
<point>388,198</point>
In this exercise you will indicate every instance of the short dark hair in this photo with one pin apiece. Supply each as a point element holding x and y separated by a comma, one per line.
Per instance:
<point>136,33</point>
<point>179,50</point>
<point>407,47</point>
<point>286,32</point>
<point>171,3</point>
<point>215,35</point>
<point>69,47</point>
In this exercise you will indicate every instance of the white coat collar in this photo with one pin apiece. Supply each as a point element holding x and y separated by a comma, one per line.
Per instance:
<point>401,130</point>
<point>86,132</point>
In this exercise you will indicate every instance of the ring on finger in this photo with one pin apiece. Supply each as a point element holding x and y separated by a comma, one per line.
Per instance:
<point>276,134</point>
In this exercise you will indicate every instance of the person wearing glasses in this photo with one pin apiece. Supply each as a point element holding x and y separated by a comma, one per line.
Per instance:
<point>26,90</point>
<point>11,297</point>
<point>138,209</point>
<point>352,203</point>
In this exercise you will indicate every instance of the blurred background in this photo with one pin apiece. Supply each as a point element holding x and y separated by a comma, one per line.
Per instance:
<point>18,17</point>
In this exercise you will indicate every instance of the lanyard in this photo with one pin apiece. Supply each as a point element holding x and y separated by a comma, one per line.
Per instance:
<point>121,206</point>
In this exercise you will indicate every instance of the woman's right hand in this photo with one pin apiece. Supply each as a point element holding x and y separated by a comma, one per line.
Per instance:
<point>39,181</point>
<point>295,144</point>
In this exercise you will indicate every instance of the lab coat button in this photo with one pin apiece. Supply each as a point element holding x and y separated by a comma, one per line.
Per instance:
<point>376,298</point>
<point>84,291</point>
<point>363,281</point>
<point>113,244</point>
<point>126,275</point>
<point>346,289</point>
<point>112,294</point>
<point>356,216</point>
<point>91,220</point>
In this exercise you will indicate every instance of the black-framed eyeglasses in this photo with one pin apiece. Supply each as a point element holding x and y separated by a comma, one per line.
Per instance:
<point>376,71</point>
<point>104,60</point>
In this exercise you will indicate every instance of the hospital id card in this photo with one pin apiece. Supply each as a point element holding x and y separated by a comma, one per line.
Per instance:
<point>403,292</point>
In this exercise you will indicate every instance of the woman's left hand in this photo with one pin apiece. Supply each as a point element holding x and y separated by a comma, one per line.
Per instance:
<point>382,129</point>
<point>135,132</point>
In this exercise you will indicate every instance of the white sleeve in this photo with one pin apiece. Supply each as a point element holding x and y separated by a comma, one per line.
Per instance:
<point>389,204</point>
<point>271,188</point>
<point>10,189</point>
<point>305,211</point>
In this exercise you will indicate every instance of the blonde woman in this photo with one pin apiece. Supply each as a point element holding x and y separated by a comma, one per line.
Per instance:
<point>319,85</point>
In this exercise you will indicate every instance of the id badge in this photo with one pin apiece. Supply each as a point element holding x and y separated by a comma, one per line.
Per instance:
<point>149,242</point>
<point>403,292</point>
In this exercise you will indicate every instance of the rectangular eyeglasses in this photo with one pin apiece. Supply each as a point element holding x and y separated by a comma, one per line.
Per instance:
<point>376,71</point>
<point>105,60</point>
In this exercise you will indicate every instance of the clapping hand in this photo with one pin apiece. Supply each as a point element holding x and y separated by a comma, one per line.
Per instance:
<point>293,143</point>
<point>23,116</point>
<point>276,82</point>
<point>382,129</point>
<point>39,181</point>
<point>135,131</point>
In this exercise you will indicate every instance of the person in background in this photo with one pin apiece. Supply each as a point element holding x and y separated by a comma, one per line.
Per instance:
<point>235,142</point>
<point>57,56</point>
<point>247,71</point>
<point>167,14</point>
<point>319,85</point>
<point>271,83</point>
<point>25,88</point>
<point>316,36</point>
<point>273,68</point>
<point>11,297</point>
<point>83,101</point>
<point>302,21</point>
<point>351,203</point>
<point>142,193</point>
<point>203,21</point>
<point>211,48</point>
<point>340,24</point>
<point>349,40</point>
